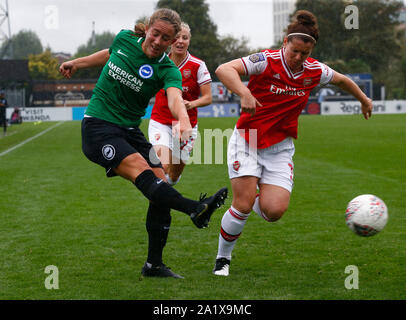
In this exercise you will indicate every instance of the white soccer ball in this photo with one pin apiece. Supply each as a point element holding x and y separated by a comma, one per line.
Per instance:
<point>366,215</point>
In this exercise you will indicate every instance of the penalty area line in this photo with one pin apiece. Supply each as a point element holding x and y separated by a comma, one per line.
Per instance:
<point>30,139</point>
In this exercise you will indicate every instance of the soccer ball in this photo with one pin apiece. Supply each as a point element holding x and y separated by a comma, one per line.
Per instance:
<point>366,215</point>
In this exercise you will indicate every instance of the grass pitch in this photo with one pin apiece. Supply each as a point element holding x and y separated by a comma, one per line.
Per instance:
<point>57,208</point>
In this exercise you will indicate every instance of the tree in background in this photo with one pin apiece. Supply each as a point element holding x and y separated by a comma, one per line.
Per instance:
<point>24,43</point>
<point>205,42</point>
<point>399,66</point>
<point>234,48</point>
<point>372,48</point>
<point>402,93</point>
<point>331,26</point>
<point>43,66</point>
<point>95,43</point>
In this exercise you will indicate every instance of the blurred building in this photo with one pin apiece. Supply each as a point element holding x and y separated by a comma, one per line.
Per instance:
<point>282,9</point>
<point>61,93</point>
<point>14,78</point>
<point>62,56</point>
<point>402,15</point>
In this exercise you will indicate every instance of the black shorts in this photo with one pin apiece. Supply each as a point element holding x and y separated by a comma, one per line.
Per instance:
<point>107,144</point>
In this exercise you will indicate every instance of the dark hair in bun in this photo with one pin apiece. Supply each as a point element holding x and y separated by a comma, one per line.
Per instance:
<point>304,22</point>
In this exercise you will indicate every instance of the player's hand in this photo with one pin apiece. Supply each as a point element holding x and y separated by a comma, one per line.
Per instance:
<point>182,130</point>
<point>249,104</point>
<point>188,104</point>
<point>366,108</point>
<point>185,130</point>
<point>67,69</point>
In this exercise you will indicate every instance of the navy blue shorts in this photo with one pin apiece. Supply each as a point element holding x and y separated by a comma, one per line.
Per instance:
<point>107,144</point>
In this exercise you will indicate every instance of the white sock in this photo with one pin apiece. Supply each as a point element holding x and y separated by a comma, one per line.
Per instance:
<point>256,208</point>
<point>232,225</point>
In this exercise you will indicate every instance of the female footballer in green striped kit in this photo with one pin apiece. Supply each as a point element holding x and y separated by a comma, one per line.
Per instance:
<point>136,67</point>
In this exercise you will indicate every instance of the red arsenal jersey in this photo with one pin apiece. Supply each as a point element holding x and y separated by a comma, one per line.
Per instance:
<point>282,93</point>
<point>194,74</point>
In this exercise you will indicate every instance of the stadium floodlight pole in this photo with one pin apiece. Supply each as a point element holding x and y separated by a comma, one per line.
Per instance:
<point>4,15</point>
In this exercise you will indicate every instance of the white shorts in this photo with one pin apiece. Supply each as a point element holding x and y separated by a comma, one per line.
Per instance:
<point>161,134</point>
<point>273,165</point>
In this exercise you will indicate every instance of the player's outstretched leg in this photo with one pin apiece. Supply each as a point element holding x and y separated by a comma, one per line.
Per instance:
<point>161,193</point>
<point>201,219</point>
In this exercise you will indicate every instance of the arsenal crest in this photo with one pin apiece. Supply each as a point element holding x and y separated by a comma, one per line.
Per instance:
<point>307,82</point>
<point>187,73</point>
<point>157,136</point>
<point>236,165</point>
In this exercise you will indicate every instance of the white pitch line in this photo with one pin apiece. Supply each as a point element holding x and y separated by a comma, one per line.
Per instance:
<point>29,139</point>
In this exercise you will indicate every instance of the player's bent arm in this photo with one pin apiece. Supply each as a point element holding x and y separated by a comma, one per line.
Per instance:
<point>230,75</point>
<point>346,84</point>
<point>178,110</point>
<point>175,103</point>
<point>204,100</point>
<point>97,59</point>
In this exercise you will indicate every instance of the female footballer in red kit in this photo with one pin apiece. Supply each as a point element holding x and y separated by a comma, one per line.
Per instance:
<point>261,149</point>
<point>196,83</point>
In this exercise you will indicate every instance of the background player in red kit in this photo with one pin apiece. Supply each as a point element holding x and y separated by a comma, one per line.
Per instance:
<point>278,90</point>
<point>196,83</point>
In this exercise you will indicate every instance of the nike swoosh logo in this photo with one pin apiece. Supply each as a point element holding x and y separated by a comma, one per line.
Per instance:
<point>159,181</point>
<point>122,53</point>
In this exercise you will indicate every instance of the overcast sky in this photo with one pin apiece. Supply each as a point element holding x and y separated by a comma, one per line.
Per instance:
<point>64,25</point>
